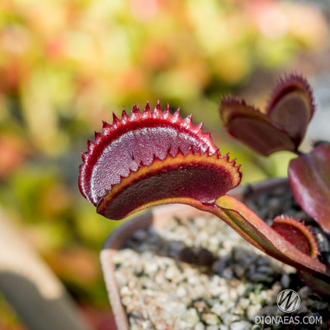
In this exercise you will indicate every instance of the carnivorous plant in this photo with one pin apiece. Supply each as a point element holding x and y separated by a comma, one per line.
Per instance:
<point>154,157</point>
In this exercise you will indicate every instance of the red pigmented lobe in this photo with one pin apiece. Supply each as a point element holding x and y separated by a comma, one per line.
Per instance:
<point>297,234</point>
<point>133,141</point>
<point>284,124</point>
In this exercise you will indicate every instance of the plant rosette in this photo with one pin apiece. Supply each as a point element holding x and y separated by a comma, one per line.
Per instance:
<point>153,158</point>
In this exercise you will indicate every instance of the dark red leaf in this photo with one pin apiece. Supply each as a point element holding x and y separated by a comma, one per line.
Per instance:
<point>180,179</point>
<point>258,233</point>
<point>292,106</point>
<point>309,178</point>
<point>249,125</point>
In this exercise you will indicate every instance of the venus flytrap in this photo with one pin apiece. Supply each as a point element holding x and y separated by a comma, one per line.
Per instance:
<point>154,157</point>
<point>282,127</point>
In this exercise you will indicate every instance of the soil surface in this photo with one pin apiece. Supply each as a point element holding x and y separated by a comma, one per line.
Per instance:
<point>199,274</point>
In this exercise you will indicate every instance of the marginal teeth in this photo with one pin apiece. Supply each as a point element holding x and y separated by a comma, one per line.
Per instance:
<point>158,111</point>
<point>147,107</point>
<point>124,116</point>
<point>106,125</point>
<point>199,127</point>
<point>226,156</point>
<point>135,113</point>
<point>233,161</point>
<point>135,109</point>
<point>90,145</point>
<point>229,99</point>
<point>176,116</point>
<point>115,119</point>
<point>167,111</point>
<point>97,135</point>
<point>187,122</point>
<point>84,156</point>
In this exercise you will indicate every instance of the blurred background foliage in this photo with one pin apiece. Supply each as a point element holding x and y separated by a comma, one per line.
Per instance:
<point>66,65</point>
